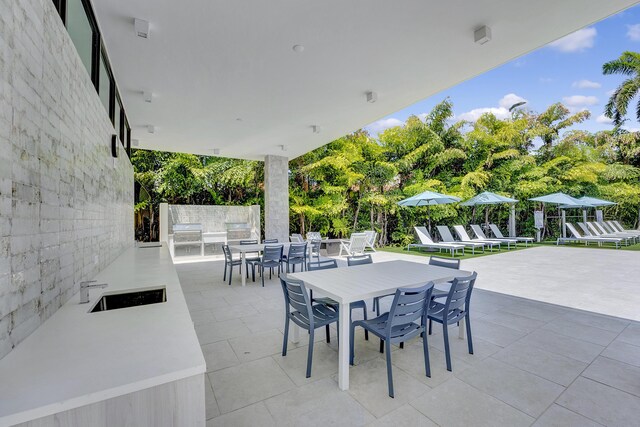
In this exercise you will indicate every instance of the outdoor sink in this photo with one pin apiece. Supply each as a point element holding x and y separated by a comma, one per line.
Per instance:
<point>131,298</point>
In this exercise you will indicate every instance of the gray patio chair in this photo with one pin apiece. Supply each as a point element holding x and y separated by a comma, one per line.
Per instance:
<point>496,232</point>
<point>406,319</point>
<point>250,257</point>
<point>447,263</point>
<point>363,260</point>
<point>315,249</point>
<point>477,230</point>
<point>446,236</point>
<point>271,258</point>
<point>309,316</point>
<point>326,264</point>
<point>454,309</point>
<point>297,256</point>
<point>229,262</point>
<point>427,242</point>
<point>270,241</point>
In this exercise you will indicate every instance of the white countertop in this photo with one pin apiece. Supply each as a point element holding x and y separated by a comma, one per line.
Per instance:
<point>77,358</point>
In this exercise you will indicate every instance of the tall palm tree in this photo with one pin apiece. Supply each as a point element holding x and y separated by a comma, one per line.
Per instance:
<point>628,65</point>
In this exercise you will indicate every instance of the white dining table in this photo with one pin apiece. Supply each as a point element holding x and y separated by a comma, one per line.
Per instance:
<point>257,247</point>
<point>348,284</point>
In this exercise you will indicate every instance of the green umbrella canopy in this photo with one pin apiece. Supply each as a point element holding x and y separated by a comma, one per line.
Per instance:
<point>562,199</point>
<point>596,202</point>
<point>487,198</point>
<point>428,198</point>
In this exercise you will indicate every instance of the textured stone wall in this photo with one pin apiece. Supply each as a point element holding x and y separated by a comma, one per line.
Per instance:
<point>66,207</point>
<point>214,217</point>
<point>276,198</point>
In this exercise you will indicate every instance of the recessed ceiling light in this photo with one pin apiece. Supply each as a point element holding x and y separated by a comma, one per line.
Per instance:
<point>298,48</point>
<point>142,28</point>
<point>147,95</point>
<point>239,119</point>
<point>372,97</point>
<point>283,147</point>
<point>216,151</point>
<point>151,128</point>
<point>315,128</point>
<point>482,35</point>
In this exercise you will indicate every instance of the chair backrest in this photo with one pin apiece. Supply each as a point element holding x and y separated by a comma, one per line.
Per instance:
<point>444,262</point>
<point>423,235</point>
<point>314,235</point>
<point>297,250</point>
<point>600,228</point>
<point>371,237</point>
<point>614,226</point>
<point>296,297</point>
<point>272,253</point>
<point>595,231</point>
<point>296,238</point>
<point>359,260</point>
<point>608,228</point>
<point>227,253</point>
<point>496,231</point>
<point>315,247</point>
<point>462,233</point>
<point>445,234</point>
<point>409,305</point>
<point>584,228</point>
<point>248,242</point>
<point>573,230</point>
<point>478,231</point>
<point>617,223</point>
<point>357,243</point>
<point>325,264</point>
<point>269,241</point>
<point>460,293</point>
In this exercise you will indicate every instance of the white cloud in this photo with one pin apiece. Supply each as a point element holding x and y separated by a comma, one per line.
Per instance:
<point>383,124</point>
<point>631,129</point>
<point>501,112</point>
<point>545,79</point>
<point>579,101</point>
<point>586,84</point>
<point>610,92</point>
<point>576,42</point>
<point>602,119</point>
<point>633,32</point>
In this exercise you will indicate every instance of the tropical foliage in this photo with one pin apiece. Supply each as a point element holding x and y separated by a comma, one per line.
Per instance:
<point>354,182</point>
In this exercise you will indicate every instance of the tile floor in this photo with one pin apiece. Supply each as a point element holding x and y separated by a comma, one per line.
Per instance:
<point>534,364</point>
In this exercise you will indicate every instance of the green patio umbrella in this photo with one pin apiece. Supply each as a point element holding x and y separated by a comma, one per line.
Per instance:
<point>429,198</point>
<point>489,198</point>
<point>564,201</point>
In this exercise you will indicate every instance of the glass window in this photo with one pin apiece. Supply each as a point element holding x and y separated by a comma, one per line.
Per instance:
<point>80,31</point>
<point>105,84</point>
<point>117,122</point>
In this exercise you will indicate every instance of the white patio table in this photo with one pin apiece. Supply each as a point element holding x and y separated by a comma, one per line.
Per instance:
<point>259,247</point>
<point>362,282</point>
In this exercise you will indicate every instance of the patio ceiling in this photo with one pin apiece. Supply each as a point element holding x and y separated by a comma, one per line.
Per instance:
<point>224,75</point>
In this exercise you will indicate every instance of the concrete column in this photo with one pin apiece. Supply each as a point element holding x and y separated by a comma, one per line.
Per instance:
<point>512,221</point>
<point>276,198</point>
<point>164,222</point>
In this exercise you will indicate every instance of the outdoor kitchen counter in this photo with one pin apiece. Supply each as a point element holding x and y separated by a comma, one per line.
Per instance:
<point>78,358</point>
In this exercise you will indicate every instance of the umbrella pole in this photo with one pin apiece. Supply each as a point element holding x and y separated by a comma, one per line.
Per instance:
<point>512,221</point>
<point>486,218</point>
<point>429,218</point>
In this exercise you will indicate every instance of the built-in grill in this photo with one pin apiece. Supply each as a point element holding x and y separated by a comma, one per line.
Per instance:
<point>238,231</point>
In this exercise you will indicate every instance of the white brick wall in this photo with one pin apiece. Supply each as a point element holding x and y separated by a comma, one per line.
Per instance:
<point>63,200</point>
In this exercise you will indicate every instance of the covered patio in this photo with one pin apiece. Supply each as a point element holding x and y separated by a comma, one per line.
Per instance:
<point>544,355</point>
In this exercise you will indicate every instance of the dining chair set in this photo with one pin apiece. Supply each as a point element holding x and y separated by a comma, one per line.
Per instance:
<point>410,315</point>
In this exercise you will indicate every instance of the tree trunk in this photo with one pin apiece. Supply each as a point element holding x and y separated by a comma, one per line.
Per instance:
<point>355,219</point>
<point>302,224</point>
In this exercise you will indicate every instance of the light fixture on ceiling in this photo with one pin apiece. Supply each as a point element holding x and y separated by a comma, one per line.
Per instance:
<point>216,151</point>
<point>372,97</point>
<point>239,119</point>
<point>298,48</point>
<point>151,129</point>
<point>283,147</point>
<point>315,128</point>
<point>482,35</point>
<point>142,28</point>
<point>135,142</point>
<point>147,95</point>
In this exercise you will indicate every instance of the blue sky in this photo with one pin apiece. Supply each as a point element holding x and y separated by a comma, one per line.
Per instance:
<point>568,70</point>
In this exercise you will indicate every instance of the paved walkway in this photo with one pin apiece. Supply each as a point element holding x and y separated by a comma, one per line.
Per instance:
<point>534,364</point>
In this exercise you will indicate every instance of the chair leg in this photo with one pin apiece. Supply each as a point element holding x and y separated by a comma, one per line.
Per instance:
<point>286,336</point>
<point>430,322</point>
<point>364,313</point>
<point>381,346</point>
<point>262,276</point>
<point>310,354</point>
<point>469,340</point>
<point>253,272</point>
<point>389,369</point>
<point>425,347</point>
<point>230,274</point>
<point>224,275</point>
<point>378,308</point>
<point>402,344</point>
<point>327,331</point>
<point>351,344</point>
<point>445,333</point>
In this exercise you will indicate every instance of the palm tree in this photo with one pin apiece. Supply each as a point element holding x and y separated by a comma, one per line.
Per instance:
<point>628,65</point>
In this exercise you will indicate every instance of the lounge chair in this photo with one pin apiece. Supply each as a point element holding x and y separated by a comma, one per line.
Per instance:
<point>621,228</point>
<point>446,236</point>
<point>464,237</point>
<point>496,232</point>
<point>477,230</point>
<point>371,239</point>
<point>599,231</point>
<point>607,230</point>
<point>577,237</point>
<point>355,245</point>
<point>296,238</point>
<point>427,242</point>
<point>313,235</point>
